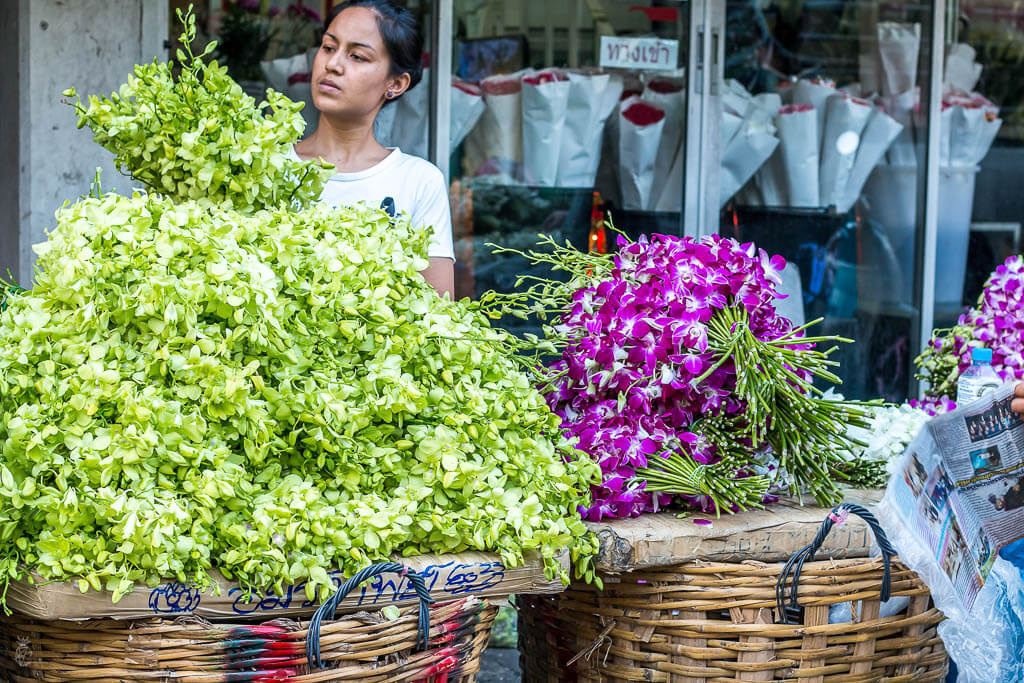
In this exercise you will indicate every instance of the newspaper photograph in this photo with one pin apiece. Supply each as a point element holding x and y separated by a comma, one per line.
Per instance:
<point>962,488</point>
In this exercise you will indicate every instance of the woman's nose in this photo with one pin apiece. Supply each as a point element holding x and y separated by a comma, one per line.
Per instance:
<point>334,63</point>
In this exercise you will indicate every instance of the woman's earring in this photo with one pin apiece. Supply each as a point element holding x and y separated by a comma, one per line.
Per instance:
<point>390,94</point>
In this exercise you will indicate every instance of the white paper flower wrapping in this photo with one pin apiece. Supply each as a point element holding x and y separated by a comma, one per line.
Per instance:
<point>592,99</point>
<point>844,123</point>
<point>879,132</point>
<point>668,94</point>
<point>898,48</point>
<point>798,153</point>
<point>814,92</point>
<point>498,136</point>
<point>545,101</point>
<point>640,127</point>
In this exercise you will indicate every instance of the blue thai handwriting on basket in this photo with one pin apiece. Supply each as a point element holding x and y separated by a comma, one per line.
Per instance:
<point>175,598</point>
<point>451,578</point>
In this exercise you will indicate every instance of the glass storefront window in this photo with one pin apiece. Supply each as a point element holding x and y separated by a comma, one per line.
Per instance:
<point>562,114</point>
<point>824,130</point>
<point>983,149</point>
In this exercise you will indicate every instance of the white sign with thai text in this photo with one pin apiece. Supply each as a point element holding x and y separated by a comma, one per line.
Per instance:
<point>652,54</point>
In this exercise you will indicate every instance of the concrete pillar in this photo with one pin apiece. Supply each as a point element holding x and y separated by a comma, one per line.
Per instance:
<point>45,47</point>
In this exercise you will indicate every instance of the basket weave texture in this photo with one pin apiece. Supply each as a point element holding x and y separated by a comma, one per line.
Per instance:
<point>716,622</point>
<point>354,647</point>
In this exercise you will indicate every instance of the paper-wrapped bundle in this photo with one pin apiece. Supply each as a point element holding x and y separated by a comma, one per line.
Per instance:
<point>467,108</point>
<point>409,126</point>
<point>404,123</point>
<point>879,132</point>
<point>498,136</point>
<point>970,124</point>
<point>798,154</point>
<point>898,47</point>
<point>640,128</point>
<point>901,108</point>
<point>592,98</point>
<point>845,119</point>
<point>748,141</point>
<point>814,92</point>
<point>545,99</point>
<point>747,152</point>
<point>669,94</point>
<point>962,72</point>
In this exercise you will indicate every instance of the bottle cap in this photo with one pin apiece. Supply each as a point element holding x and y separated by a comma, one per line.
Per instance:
<point>981,355</point>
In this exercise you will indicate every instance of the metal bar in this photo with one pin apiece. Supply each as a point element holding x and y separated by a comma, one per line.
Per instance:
<point>703,118</point>
<point>575,21</point>
<point>694,172</point>
<point>925,263</point>
<point>439,129</point>
<point>549,37</point>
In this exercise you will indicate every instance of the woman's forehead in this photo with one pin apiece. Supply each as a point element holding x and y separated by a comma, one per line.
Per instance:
<point>356,25</point>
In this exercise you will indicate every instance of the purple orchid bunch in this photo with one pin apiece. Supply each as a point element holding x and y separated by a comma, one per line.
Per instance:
<point>996,322</point>
<point>676,375</point>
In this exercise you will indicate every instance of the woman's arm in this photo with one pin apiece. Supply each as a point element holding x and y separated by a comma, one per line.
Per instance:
<point>441,275</point>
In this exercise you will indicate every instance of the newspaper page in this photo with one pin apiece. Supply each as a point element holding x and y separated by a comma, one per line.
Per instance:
<point>962,488</point>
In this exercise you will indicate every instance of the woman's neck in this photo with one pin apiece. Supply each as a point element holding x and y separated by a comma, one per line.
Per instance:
<point>350,147</point>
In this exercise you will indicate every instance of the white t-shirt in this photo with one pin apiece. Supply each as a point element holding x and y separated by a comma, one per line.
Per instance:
<point>414,185</point>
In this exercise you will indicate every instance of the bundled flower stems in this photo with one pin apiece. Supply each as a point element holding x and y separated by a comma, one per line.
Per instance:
<point>676,374</point>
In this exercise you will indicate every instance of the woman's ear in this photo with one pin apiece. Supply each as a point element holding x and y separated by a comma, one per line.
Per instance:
<point>397,86</point>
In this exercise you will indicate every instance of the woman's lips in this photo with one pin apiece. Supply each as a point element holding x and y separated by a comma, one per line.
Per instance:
<point>329,87</point>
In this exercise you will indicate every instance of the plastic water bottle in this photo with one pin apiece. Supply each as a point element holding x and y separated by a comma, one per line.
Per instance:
<point>978,378</point>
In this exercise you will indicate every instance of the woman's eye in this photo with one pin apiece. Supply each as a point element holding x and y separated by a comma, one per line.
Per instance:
<point>359,58</point>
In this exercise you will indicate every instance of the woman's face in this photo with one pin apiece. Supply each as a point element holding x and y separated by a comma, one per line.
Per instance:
<point>350,71</point>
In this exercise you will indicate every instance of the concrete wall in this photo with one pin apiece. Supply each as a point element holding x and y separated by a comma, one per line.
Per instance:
<point>91,45</point>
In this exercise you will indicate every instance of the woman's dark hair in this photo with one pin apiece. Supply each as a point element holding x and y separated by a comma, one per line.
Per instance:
<point>400,31</point>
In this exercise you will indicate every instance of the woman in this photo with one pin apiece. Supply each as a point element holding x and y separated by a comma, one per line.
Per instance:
<point>370,55</point>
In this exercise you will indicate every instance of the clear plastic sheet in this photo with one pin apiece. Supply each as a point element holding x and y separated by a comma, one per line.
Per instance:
<point>987,641</point>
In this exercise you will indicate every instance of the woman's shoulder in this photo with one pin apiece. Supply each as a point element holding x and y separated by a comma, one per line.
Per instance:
<point>418,168</point>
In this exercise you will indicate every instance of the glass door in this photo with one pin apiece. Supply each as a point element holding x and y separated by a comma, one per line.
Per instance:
<point>823,123</point>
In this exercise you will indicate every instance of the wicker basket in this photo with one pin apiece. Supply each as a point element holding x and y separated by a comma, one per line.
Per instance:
<point>356,647</point>
<point>712,622</point>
